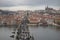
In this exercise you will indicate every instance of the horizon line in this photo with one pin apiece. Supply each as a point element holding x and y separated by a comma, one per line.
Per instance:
<point>15,8</point>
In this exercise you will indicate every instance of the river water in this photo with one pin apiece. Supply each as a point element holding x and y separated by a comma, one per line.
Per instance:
<point>39,33</point>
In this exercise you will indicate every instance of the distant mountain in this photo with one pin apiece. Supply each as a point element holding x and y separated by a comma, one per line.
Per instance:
<point>6,12</point>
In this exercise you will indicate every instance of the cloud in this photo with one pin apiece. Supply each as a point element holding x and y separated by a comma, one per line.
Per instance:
<point>9,3</point>
<point>5,3</point>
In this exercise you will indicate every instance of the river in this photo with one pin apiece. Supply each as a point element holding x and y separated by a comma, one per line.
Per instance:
<point>39,33</point>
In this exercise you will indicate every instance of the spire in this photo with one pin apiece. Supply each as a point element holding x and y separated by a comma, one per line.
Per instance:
<point>46,7</point>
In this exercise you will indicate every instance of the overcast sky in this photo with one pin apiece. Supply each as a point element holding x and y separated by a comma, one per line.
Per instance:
<point>28,3</point>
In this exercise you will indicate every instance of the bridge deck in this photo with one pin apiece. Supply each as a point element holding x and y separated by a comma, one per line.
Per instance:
<point>23,31</point>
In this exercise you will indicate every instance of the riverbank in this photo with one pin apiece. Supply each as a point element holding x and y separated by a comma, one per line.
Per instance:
<point>31,25</point>
<point>8,25</point>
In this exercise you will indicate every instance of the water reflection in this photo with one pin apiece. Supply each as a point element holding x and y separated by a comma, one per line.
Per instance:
<point>39,33</point>
<point>45,33</point>
<point>5,32</point>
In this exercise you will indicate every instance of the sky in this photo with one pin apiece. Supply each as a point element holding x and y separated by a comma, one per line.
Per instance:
<point>28,4</point>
